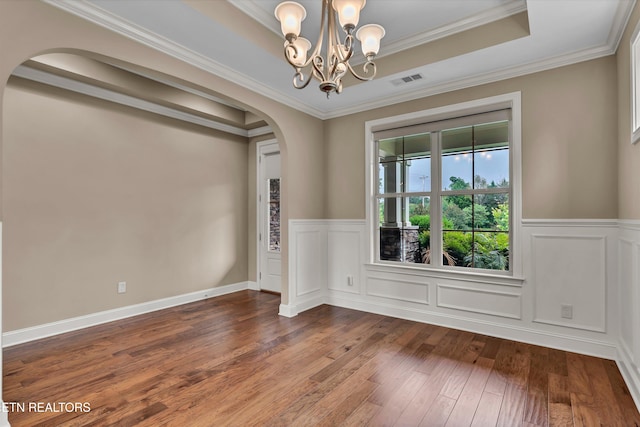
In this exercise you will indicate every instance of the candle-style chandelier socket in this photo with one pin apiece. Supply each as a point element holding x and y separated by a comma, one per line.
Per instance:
<point>330,70</point>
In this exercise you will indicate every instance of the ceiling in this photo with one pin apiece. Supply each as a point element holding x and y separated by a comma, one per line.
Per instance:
<point>451,44</point>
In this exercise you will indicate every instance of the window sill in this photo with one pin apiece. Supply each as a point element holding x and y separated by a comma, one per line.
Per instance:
<point>468,276</point>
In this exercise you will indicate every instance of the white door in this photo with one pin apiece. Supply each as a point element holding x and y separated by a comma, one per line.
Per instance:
<point>269,270</point>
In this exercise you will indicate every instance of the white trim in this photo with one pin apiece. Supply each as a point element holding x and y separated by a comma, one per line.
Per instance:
<point>263,148</point>
<point>570,222</point>
<point>630,375</point>
<point>264,130</point>
<point>287,310</point>
<point>629,224</point>
<point>103,18</point>
<point>518,296</point>
<point>620,22</point>
<point>635,91</point>
<point>122,99</point>
<point>592,347</point>
<point>485,17</point>
<point>443,273</point>
<point>4,416</point>
<point>112,22</point>
<point>477,80</point>
<point>510,100</point>
<point>252,286</point>
<point>20,336</point>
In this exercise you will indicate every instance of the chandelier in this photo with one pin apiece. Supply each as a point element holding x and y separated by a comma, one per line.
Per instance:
<point>328,70</point>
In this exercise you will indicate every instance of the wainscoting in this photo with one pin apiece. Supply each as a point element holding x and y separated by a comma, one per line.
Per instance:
<point>628,259</point>
<point>579,289</point>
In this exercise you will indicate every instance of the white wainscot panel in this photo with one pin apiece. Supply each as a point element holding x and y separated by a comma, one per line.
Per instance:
<point>401,287</point>
<point>635,298</point>
<point>570,270</point>
<point>310,262</point>
<point>627,303</point>
<point>480,299</point>
<point>343,262</point>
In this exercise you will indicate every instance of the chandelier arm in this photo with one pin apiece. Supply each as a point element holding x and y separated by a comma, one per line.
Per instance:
<point>365,68</point>
<point>318,67</point>
<point>289,53</point>
<point>299,77</point>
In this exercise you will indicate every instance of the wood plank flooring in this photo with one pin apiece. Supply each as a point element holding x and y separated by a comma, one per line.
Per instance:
<point>232,361</point>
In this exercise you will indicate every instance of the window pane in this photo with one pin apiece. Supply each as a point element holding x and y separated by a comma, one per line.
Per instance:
<point>390,149</point>
<point>417,146</point>
<point>491,155</point>
<point>457,213</point>
<point>419,217</point>
<point>399,240</point>
<point>491,211</point>
<point>390,177</point>
<point>418,173</point>
<point>490,251</point>
<point>457,158</point>
<point>456,247</point>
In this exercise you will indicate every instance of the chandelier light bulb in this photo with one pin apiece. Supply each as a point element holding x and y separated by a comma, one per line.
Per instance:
<point>348,12</point>
<point>301,46</point>
<point>370,36</point>
<point>290,14</point>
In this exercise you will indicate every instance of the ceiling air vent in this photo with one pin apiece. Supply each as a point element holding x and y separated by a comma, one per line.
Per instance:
<point>406,79</point>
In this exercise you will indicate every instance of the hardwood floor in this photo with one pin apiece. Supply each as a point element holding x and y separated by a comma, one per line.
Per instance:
<point>232,361</point>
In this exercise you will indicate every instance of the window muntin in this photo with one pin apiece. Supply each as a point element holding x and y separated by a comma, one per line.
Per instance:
<point>472,190</point>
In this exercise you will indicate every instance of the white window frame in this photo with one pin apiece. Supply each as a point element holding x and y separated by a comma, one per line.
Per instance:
<point>635,85</point>
<point>511,101</point>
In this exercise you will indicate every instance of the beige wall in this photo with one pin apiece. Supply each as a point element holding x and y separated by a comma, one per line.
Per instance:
<point>568,144</point>
<point>628,155</point>
<point>96,193</point>
<point>570,158</point>
<point>34,28</point>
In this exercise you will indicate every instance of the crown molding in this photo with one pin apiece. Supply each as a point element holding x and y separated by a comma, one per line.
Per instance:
<point>480,79</point>
<point>490,15</point>
<point>264,130</point>
<point>105,19</point>
<point>620,21</point>
<point>118,98</point>
<point>116,24</point>
<point>483,18</point>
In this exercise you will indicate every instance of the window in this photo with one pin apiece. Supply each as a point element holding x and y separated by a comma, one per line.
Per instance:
<point>444,190</point>
<point>635,85</point>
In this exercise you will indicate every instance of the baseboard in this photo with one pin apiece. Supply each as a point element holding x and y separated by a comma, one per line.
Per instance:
<point>304,305</point>
<point>20,336</point>
<point>253,286</point>
<point>629,373</point>
<point>530,336</point>
<point>287,310</point>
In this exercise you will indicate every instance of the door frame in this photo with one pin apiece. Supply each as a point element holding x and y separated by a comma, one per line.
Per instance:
<point>263,148</point>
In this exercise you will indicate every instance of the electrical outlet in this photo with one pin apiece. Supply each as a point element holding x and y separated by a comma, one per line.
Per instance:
<point>566,311</point>
<point>349,280</point>
<point>122,287</point>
